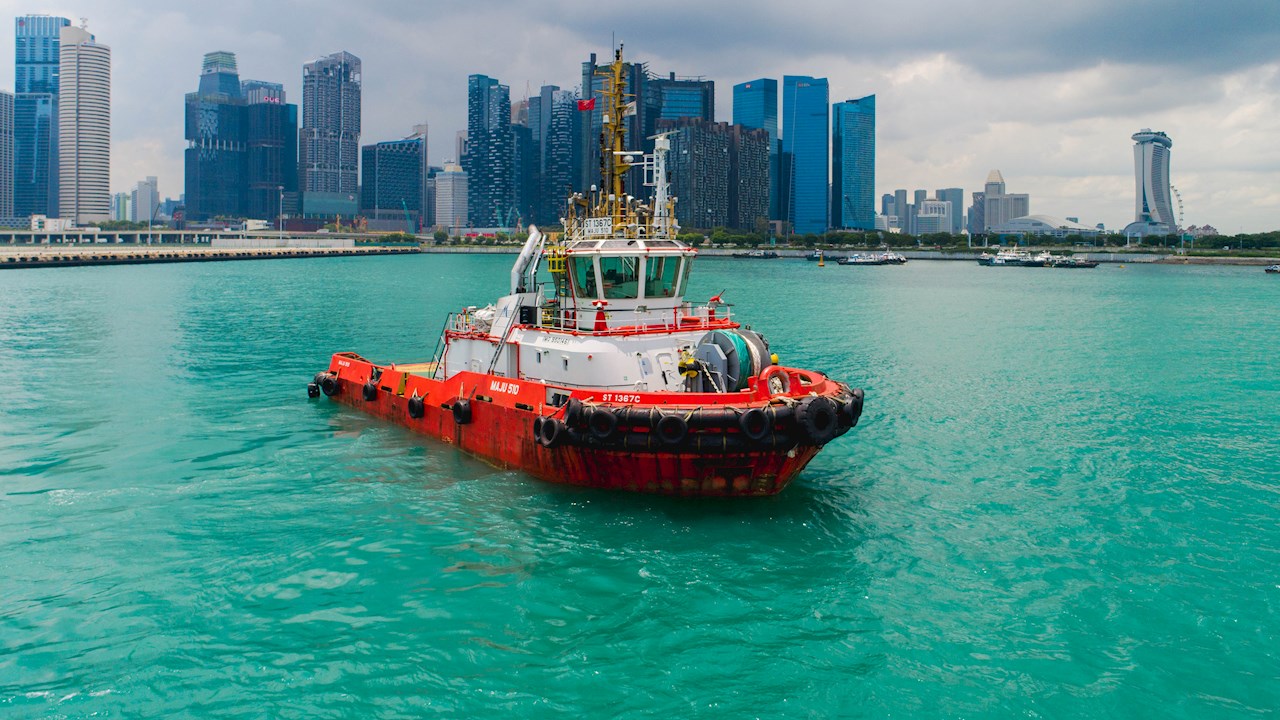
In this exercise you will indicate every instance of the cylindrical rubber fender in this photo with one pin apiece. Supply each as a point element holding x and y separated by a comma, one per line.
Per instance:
<point>537,428</point>
<point>635,417</point>
<point>713,418</point>
<point>552,433</point>
<point>602,424</point>
<point>671,430</point>
<point>462,411</point>
<point>313,390</point>
<point>639,441</point>
<point>329,385</point>
<point>417,407</point>
<point>755,424</point>
<point>817,419</point>
<point>370,391</point>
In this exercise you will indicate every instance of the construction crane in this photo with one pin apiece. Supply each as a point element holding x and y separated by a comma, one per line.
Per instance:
<point>408,221</point>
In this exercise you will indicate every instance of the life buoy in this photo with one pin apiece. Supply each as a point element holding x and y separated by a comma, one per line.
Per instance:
<point>818,419</point>
<point>602,424</point>
<point>551,433</point>
<point>672,430</point>
<point>754,424</point>
<point>417,408</point>
<point>776,380</point>
<point>461,411</point>
<point>329,385</point>
<point>370,391</point>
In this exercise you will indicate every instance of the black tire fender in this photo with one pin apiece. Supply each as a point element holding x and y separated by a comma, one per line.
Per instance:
<point>602,424</point>
<point>370,391</point>
<point>552,433</point>
<point>818,419</point>
<point>672,430</point>
<point>754,424</point>
<point>417,407</point>
<point>462,411</point>
<point>329,385</point>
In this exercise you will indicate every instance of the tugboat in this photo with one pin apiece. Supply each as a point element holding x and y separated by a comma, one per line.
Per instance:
<point>606,376</point>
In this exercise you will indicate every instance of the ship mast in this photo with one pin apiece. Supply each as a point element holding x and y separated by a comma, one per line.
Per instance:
<point>615,161</point>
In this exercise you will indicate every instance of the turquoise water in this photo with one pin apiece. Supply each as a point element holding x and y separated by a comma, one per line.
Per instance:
<point>1063,500</point>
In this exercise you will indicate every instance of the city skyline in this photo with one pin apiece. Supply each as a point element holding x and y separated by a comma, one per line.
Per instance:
<point>1002,93</point>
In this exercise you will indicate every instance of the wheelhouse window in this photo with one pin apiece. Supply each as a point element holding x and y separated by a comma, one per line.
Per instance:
<point>660,276</point>
<point>582,270</point>
<point>620,276</point>
<point>683,287</point>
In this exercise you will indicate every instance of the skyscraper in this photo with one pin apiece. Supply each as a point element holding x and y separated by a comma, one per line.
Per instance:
<point>329,145</point>
<point>84,127</point>
<point>749,162</point>
<point>699,170</point>
<point>955,196</point>
<point>6,155</point>
<point>1000,207</point>
<point>451,198</point>
<point>215,158</point>
<point>35,148</point>
<point>490,151</point>
<point>271,151</point>
<point>557,151</point>
<point>755,105</point>
<point>393,181</point>
<point>144,201</point>
<point>853,164</point>
<point>806,137</point>
<point>1153,205</point>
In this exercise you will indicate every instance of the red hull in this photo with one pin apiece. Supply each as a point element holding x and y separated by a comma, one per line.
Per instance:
<point>501,430</point>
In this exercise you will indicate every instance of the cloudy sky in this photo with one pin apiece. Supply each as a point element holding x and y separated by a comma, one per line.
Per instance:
<point>1048,93</point>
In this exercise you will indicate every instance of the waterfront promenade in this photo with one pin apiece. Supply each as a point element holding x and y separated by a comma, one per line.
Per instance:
<point>46,256</point>
<point>206,247</point>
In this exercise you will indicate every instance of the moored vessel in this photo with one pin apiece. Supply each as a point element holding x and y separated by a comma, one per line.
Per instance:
<point>1272,269</point>
<point>862,260</point>
<point>603,374</point>
<point>758,255</point>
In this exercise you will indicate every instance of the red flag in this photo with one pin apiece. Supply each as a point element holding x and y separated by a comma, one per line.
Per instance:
<point>587,104</point>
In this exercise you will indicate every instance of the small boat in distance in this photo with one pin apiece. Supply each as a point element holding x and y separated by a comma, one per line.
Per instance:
<point>862,260</point>
<point>757,255</point>
<point>1272,269</point>
<point>1007,257</point>
<point>1072,262</point>
<point>893,258</point>
<point>814,256</point>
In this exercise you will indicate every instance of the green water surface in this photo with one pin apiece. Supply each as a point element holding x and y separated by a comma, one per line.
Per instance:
<point>1063,500</point>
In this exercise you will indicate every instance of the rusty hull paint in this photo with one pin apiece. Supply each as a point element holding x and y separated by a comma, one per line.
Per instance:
<point>502,433</point>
